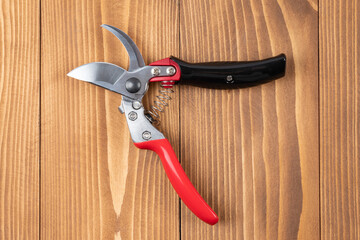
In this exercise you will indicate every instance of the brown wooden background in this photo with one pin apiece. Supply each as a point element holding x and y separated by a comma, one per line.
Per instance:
<point>277,161</point>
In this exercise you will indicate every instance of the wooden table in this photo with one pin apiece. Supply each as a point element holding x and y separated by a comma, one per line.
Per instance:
<point>277,161</point>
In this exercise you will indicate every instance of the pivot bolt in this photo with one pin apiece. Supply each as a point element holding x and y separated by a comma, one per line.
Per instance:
<point>146,135</point>
<point>136,105</point>
<point>170,71</point>
<point>132,116</point>
<point>229,79</point>
<point>133,85</point>
<point>155,71</point>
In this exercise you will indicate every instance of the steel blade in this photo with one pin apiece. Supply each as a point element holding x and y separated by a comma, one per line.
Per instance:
<point>99,73</point>
<point>136,60</point>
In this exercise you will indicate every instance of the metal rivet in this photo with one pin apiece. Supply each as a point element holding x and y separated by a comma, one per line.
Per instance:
<point>136,105</point>
<point>229,79</point>
<point>132,116</point>
<point>155,71</point>
<point>170,71</point>
<point>146,135</point>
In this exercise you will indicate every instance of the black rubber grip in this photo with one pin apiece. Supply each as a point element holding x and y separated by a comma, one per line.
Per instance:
<point>227,75</point>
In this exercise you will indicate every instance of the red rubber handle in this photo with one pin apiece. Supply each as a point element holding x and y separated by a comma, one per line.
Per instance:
<point>180,181</point>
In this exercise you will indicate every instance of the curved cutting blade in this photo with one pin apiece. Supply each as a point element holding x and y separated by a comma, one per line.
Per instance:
<point>136,60</point>
<point>99,73</point>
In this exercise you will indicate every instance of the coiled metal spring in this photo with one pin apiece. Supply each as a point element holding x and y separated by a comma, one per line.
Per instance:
<point>153,115</point>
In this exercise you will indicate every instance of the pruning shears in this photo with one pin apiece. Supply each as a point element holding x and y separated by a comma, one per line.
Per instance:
<point>133,83</point>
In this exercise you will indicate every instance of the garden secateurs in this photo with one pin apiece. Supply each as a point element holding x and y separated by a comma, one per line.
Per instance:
<point>133,83</point>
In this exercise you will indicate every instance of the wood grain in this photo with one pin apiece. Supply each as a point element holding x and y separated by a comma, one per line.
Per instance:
<point>253,153</point>
<point>339,119</point>
<point>95,183</point>
<point>19,119</point>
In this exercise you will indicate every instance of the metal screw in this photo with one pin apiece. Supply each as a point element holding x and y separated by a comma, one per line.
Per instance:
<point>155,71</point>
<point>132,116</point>
<point>229,79</point>
<point>136,105</point>
<point>170,71</point>
<point>146,135</point>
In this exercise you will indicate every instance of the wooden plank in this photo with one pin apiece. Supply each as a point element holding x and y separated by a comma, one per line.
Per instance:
<point>339,119</point>
<point>95,183</point>
<point>253,153</point>
<point>19,119</point>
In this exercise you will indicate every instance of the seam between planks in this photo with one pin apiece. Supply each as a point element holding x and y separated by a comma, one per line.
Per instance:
<point>40,52</point>
<point>179,42</point>
<point>319,117</point>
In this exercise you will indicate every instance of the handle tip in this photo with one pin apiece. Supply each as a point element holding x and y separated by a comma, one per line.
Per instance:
<point>213,220</point>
